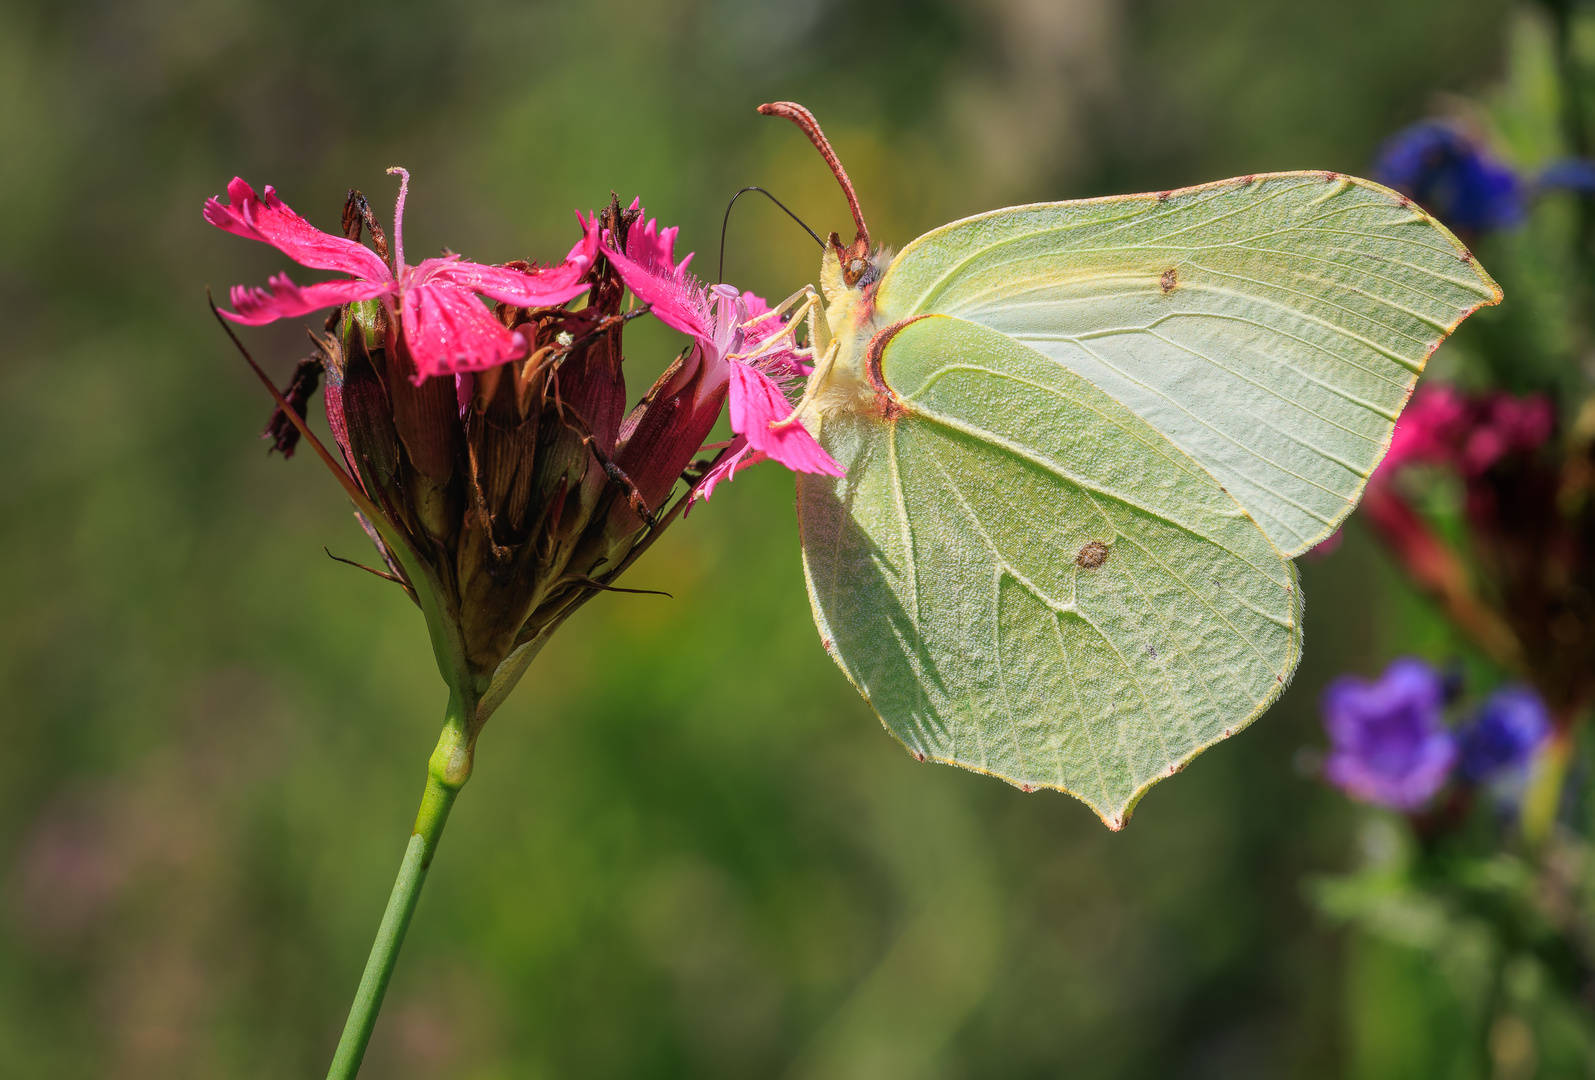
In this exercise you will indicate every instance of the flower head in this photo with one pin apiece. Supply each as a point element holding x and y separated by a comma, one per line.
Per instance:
<point>1388,743</point>
<point>446,329</point>
<point>1508,729</point>
<point>740,349</point>
<point>1452,175</point>
<point>504,498</point>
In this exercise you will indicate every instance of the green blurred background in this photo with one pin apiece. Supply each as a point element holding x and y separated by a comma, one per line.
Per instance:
<point>689,850</point>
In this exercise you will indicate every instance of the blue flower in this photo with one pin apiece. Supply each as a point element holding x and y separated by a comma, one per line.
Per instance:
<point>1573,174</point>
<point>1453,177</point>
<point>1388,743</point>
<point>1509,728</point>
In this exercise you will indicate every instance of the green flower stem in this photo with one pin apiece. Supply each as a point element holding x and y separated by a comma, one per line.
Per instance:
<point>1543,795</point>
<point>447,773</point>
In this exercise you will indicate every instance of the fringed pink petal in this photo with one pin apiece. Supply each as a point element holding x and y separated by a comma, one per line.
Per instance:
<point>649,269</point>
<point>757,404</point>
<point>285,300</point>
<point>449,331</point>
<point>542,288</point>
<point>533,288</point>
<point>655,248</point>
<point>739,455</point>
<point>270,221</point>
<point>677,303</point>
<point>586,250</point>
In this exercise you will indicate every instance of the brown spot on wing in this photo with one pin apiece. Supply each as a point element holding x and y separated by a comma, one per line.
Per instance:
<point>1169,280</point>
<point>1092,556</point>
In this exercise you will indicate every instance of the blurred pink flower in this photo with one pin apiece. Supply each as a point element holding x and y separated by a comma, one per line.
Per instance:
<point>1325,547</point>
<point>446,329</point>
<point>1428,428</point>
<point>1504,425</point>
<point>726,336</point>
<point>1442,426</point>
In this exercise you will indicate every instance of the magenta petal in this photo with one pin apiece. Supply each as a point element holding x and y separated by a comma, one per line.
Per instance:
<point>256,307</point>
<point>738,456</point>
<point>537,289</point>
<point>522,288</point>
<point>676,303</point>
<point>756,404</point>
<point>270,221</point>
<point>448,331</point>
<point>586,250</point>
<point>654,247</point>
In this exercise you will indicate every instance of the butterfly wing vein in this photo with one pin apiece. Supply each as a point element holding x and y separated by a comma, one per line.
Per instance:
<point>1271,327</point>
<point>1024,578</point>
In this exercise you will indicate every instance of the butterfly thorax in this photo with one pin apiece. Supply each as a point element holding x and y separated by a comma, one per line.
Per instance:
<point>852,320</point>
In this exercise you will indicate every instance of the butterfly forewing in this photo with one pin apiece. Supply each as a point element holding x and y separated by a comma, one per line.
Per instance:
<point>1271,327</point>
<point>1024,578</point>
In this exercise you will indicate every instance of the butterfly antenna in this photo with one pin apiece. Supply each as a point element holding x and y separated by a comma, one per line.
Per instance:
<point>854,257</point>
<point>721,275</point>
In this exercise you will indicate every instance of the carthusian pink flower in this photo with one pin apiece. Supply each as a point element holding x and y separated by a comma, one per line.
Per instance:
<point>505,497</point>
<point>447,330</point>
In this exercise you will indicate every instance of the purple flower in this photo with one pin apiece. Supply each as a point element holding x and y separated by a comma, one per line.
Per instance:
<point>1388,743</point>
<point>1509,728</point>
<point>1453,176</point>
<point>1571,174</point>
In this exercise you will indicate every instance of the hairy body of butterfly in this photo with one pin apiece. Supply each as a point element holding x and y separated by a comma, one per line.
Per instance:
<point>1082,442</point>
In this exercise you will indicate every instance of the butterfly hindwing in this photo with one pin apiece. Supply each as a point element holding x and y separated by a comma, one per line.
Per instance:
<point>1272,327</point>
<point>1024,578</point>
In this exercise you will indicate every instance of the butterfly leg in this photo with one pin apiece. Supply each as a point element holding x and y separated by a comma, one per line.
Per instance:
<point>805,301</point>
<point>808,309</point>
<point>817,381</point>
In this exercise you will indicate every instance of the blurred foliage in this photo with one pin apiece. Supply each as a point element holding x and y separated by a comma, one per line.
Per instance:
<point>1473,943</point>
<point>688,848</point>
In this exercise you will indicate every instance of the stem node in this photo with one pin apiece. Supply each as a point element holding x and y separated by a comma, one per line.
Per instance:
<point>447,772</point>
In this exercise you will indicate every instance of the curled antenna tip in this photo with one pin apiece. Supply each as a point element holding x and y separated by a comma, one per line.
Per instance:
<point>811,127</point>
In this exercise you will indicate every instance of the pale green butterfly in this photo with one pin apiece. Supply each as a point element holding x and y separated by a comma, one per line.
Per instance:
<point>1082,442</point>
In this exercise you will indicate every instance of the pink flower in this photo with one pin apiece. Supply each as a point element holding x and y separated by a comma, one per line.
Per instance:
<point>1505,425</point>
<point>1442,426</point>
<point>1428,428</point>
<point>446,330</point>
<point>734,353</point>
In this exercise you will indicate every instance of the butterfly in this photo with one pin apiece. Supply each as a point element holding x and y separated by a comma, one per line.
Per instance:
<point>1081,443</point>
